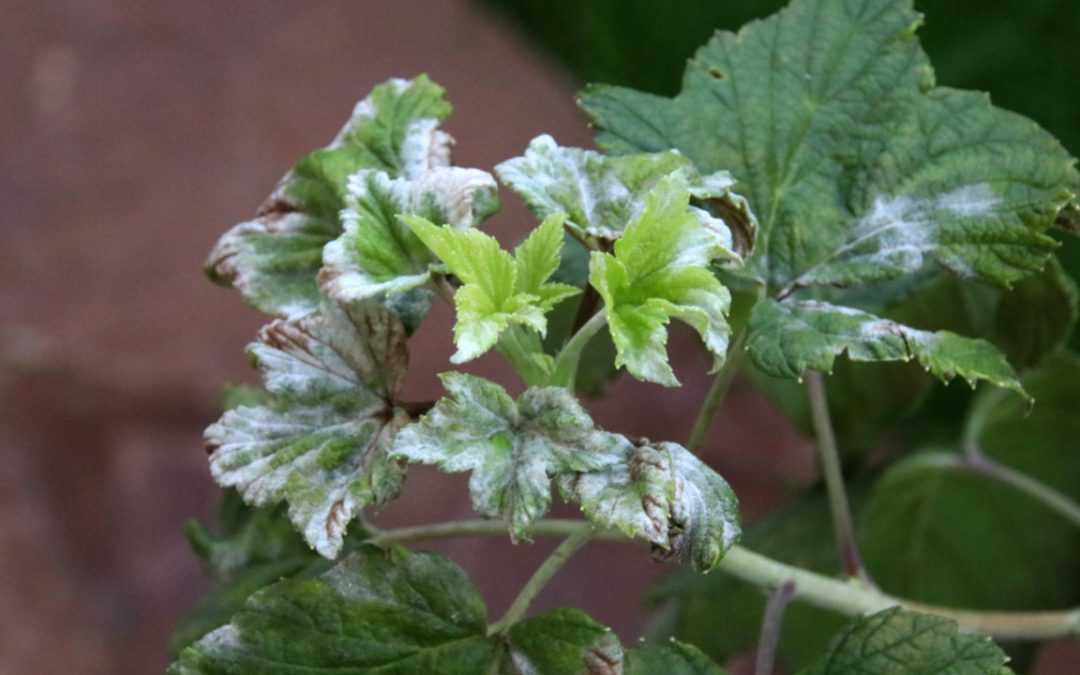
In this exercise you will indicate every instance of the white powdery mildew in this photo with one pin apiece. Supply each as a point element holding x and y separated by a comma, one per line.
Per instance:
<point>903,229</point>
<point>424,148</point>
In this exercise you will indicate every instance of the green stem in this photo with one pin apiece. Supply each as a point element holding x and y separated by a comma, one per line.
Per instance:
<point>850,597</point>
<point>834,477</point>
<point>549,527</point>
<point>566,363</point>
<point>548,569</point>
<point>715,396</point>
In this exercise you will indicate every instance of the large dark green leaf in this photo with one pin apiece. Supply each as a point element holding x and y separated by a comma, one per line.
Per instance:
<point>858,168</point>
<point>895,642</point>
<point>392,612</point>
<point>938,533</point>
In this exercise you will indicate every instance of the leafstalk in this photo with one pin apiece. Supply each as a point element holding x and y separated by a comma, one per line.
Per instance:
<point>834,477</point>
<point>566,363</point>
<point>715,396</point>
<point>848,597</point>
<point>548,569</point>
<point>770,628</point>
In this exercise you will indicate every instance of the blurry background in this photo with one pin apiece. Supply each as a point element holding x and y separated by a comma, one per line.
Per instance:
<point>135,133</point>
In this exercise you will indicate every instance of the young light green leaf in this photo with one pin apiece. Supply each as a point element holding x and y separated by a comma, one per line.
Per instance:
<point>322,444</point>
<point>513,449</point>
<point>787,338</point>
<point>674,658</point>
<point>274,258</point>
<point>858,167</point>
<point>499,290</point>
<point>660,270</point>
<point>378,256</point>
<point>665,495</point>
<point>374,612</point>
<point>601,194</point>
<point>896,642</point>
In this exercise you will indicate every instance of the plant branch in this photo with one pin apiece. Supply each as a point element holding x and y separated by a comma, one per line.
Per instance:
<point>548,569</point>
<point>834,477</point>
<point>549,527</point>
<point>715,396</point>
<point>770,627</point>
<point>848,597</point>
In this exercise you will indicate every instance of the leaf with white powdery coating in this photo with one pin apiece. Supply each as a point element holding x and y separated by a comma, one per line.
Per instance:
<point>500,290</point>
<point>787,338</point>
<point>659,271</point>
<point>859,169</point>
<point>602,194</point>
<point>322,444</point>
<point>378,256</point>
<point>274,258</point>
<point>897,642</point>
<point>665,495</point>
<point>513,449</point>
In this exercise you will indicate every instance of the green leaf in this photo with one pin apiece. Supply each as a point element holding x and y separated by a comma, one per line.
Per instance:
<point>374,612</point>
<point>274,258</point>
<point>322,445</point>
<point>563,642</point>
<point>378,256</point>
<point>661,493</point>
<point>665,495</point>
<point>601,194</point>
<point>1037,316</point>
<point>787,338</point>
<point>660,270</point>
<point>255,548</point>
<point>858,167</point>
<point>394,613</point>
<point>933,531</point>
<point>724,614</point>
<point>896,642</point>
<point>675,658</point>
<point>513,449</point>
<point>500,290</point>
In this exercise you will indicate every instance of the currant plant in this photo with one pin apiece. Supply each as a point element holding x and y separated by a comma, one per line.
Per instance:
<point>829,222</point>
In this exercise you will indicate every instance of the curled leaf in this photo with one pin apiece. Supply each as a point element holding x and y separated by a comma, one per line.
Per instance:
<point>273,259</point>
